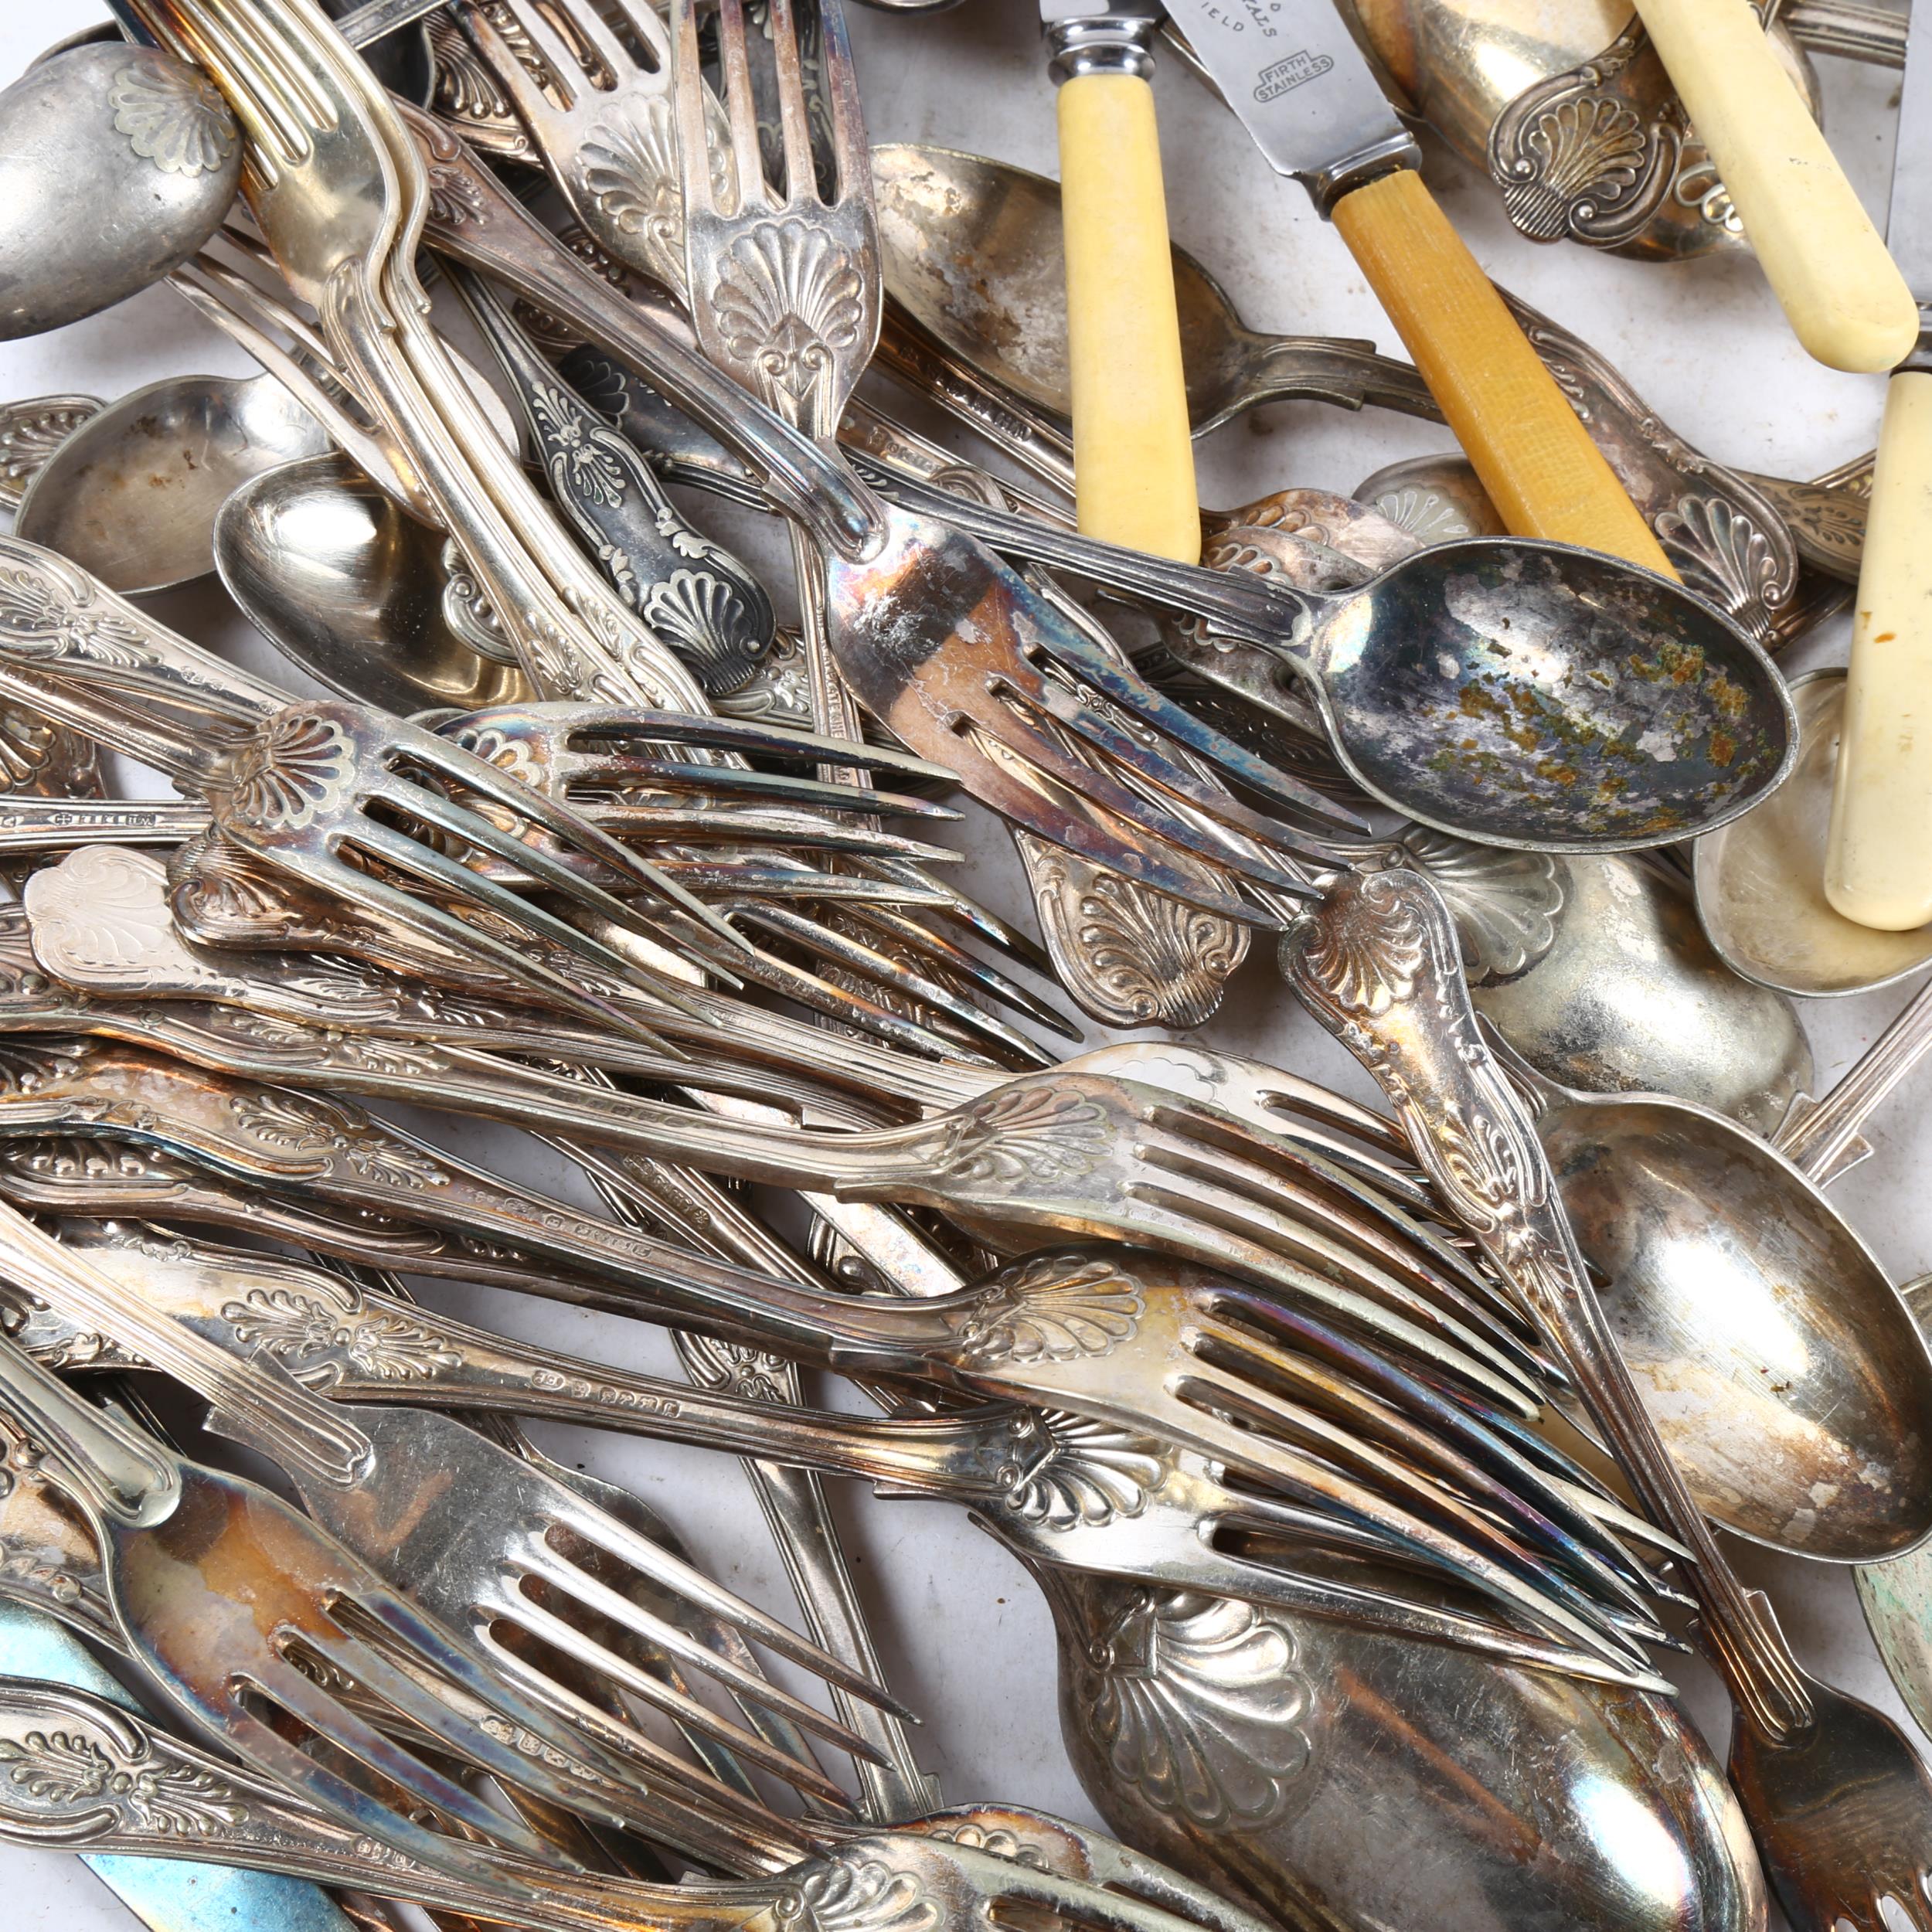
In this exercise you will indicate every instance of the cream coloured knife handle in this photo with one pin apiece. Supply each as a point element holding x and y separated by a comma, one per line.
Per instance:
<point>1878,865</point>
<point>1825,260</point>
<point>1133,446</point>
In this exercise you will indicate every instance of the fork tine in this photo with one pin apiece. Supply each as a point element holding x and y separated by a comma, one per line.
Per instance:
<point>1463,1458</point>
<point>1447,1421</point>
<point>618,1733</point>
<point>566,71</point>
<point>460,768</point>
<point>850,950</point>
<point>782,742</point>
<point>589,1654</point>
<point>648,24</point>
<point>787,788</point>
<point>979,972</point>
<point>692,1585</point>
<point>1203,1390</point>
<point>411,856</point>
<point>794,121</point>
<point>597,35</point>
<point>851,151</point>
<point>1466,1506</point>
<point>351,1736</point>
<point>740,107</point>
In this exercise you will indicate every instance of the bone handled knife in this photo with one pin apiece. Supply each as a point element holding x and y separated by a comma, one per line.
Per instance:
<point>1132,447</point>
<point>1842,294</point>
<point>1878,867</point>
<point>1305,92</point>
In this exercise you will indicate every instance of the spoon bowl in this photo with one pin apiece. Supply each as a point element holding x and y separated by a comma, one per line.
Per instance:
<point>1779,1364</point>
<point>333,573</point>
<point>970,248</point>
<point>1333,1777</point>
<point>1760,882</point>
<point>1523,694</point>
<point>133,494</point>
<point>117,163</point>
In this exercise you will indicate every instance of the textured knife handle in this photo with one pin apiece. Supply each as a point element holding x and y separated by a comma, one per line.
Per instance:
<point>1841,291</point>
<point>1535,459</point>
<point>1878,867</point>
<point>1133,449</point>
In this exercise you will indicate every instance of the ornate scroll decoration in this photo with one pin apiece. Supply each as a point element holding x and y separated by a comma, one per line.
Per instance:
<point>629,163</point>
<point>80,1776</point>
<point>103,913</point>
<point>315,1339</point>
<point>298,1124</point>
<point>1043,1129</point>
<point>1199,1706</point>
<point>1729,555</point>
<point>1050,1308</point>
<point>1131,957</point>
<point>780,691</point>
<point>172,116</point>
<point>1574,159</point>
<point>31,431</point>
<point>1060,1470</point>
<point>1506,904</point>
<point>468,95</point>
<point>855,1895</point>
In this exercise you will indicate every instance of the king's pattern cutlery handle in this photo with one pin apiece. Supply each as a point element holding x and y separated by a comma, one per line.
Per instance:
<point>1826,263</point>
<point>1878,865</point>
<point>1133,445</point>
<point>1535,459</point>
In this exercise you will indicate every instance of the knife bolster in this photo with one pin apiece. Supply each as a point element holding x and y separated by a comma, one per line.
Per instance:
<point>1096,43</point>
<point>1328,185</point>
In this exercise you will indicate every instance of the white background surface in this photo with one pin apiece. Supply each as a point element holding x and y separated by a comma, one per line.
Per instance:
<point>967,1638</point>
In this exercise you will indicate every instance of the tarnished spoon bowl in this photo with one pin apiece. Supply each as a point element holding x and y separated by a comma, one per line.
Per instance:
<point>335,574</point>
<point>132,495</point>
<point>1760,882</point>
<point>1524,694</point>
<point>1780,1365</point>
<point>116,164</point>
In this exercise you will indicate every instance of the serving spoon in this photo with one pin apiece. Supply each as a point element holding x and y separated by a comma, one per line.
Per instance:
<point>1792,1387</point>
<point>132,495</point>
<point>329,568</point>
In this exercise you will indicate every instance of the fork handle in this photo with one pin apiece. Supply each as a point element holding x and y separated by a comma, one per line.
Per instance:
<point>1378,964</point>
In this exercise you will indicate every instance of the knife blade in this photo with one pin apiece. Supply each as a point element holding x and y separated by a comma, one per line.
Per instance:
<point>1133,444</point>
<point>167,1895</point>
<point>1878,865</point>
<point>1293,75</point>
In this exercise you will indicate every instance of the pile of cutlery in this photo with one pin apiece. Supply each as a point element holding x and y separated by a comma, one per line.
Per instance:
<point>687,530</point>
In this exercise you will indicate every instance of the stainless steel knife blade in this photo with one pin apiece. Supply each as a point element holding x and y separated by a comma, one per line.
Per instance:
<point>1302,88</point>
<point>1909,228</point>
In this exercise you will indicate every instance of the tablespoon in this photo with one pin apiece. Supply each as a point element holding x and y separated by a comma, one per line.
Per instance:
<point>1343,1781</point>
<point>1792,1388</point>
<point>328,567</point>
<point>1509,692</point>
<point>1760,882</point>
<point>132,495</point>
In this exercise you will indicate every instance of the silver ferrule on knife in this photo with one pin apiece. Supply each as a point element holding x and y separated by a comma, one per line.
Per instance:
<point>1100,38</point>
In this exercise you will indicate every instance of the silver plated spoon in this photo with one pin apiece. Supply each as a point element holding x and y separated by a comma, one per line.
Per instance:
<point>132,495</point>
<point>116,164</point>
<point>1776,1361</point>
<point>1760,880</point>
<point>329,568</point>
